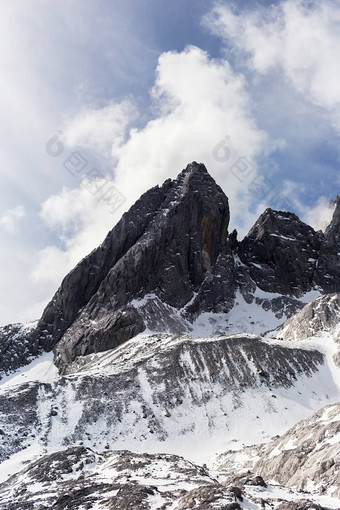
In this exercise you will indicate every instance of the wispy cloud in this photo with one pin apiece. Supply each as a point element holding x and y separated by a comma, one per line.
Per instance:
<point>302,39</point>
<point>10,219</point>
<point>101,129</point>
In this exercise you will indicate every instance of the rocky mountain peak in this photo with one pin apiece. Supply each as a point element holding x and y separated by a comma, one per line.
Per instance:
<point>281,252</point>
<point>280,223</point>
<point>176,248</point>
<point>273,222</point>
<point>169,260</point>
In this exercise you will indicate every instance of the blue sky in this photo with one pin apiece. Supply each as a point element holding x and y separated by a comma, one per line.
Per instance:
<point>138,90</point>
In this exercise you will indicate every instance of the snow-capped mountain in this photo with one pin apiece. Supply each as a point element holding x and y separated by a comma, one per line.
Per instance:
<point>174,345</point>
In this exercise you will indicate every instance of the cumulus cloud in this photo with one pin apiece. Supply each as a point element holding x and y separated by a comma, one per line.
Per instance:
<point>302,39</point>
<point>10,219</point>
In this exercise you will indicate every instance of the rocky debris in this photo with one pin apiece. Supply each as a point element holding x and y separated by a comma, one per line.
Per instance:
<point>247,478</point>
<point>79,477</point>
<point>308,454</point>
<point>207,497</point>
<point>303,504</point>
<point>317,318</point>
<point>159,387</point>
<point>235,461</point>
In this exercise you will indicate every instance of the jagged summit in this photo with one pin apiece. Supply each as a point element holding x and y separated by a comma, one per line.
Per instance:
<point>169,260</point>
<point>272,221</point>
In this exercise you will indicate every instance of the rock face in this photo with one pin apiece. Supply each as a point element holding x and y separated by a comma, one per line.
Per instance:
<point>281,252</point>
<point>17,345</point>
<point>182,241</point>
<point>332,232</point>
<point>169,260</point>
<point>321,316</point>
<point>308,454</point>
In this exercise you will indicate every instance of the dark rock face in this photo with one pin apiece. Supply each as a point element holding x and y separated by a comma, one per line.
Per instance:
<point>332,232</point>
<point>281,252</point>
<point>17,345</point>
<point>172,250</point>
<point>328,270</point>
<point>181,243</point>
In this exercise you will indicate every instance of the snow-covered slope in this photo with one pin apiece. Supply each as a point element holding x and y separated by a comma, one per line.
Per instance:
<point>192,397</point>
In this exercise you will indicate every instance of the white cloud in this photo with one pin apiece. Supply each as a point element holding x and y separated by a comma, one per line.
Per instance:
<point>82,220</point>
<point>101,129</point>
<point>10,219</point>
<point>300,38</point>
<point>320,215</point>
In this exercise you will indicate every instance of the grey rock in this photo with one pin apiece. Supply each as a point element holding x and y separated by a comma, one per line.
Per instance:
<point>306,453</point>
<point>318,317</point>
<point>278,250</point>
<point>303,504</point>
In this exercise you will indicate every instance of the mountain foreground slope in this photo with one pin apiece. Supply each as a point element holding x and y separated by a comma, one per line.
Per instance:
<point>173,359</point>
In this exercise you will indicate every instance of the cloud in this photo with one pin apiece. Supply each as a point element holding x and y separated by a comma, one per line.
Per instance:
<point>10,219</point>
<point>100,129</point>
<point>81,220</point>
<point>94,88</point>
<point>56,64</point>
<point>302,39</point>
<point>320,215</point>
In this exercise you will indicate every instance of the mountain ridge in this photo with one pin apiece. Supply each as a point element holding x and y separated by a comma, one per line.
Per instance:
<point>173,244</point>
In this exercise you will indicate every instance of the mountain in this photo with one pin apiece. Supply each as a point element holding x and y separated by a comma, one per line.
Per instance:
<point>169,261</point>
<point>176,339</point>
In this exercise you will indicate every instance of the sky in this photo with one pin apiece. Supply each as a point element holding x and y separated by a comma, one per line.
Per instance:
<point>101,100</point>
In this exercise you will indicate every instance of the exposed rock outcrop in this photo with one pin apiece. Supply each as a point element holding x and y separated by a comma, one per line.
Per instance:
<point>307,455</point>
<point>321,316</point>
